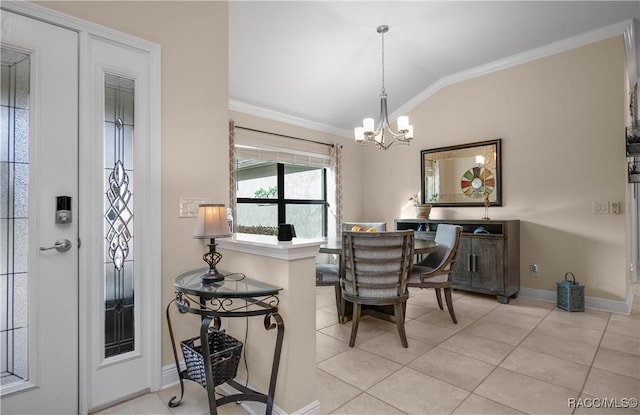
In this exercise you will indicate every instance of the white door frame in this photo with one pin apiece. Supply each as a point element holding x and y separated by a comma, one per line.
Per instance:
<point>148,200</point>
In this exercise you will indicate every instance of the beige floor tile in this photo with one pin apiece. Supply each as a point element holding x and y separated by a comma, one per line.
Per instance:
<point>415,311</point>
<point>454,368</point>
<point>618,362</point>
<point>414,392</point>
<point>148,404</point>
<point>560,347</point>
<point>503,317</point>
<point>588,319</point>
<point>605,384</point>
<point>333,392</point>
<point>473,310</point>
<point>427,333</point>
<point>327,347</point>
<point>359,368</point>
<point>590,405</point>
<point>366,404</point>
<point>570,332</point>
<point>489,351</point>
<point>325,299</point>
<point>620,343</point>
<point>195,400</point>
<point>441,318</point>
<point>325,319</point>
<point>525,393</point>
<point>389,346</point>
<point>478,405</point>
<point>425,298</point>
<point>548,368</point>
<point>343,332</point>
<point>528,306</point>
<point>481,300</point>
<point>497,332</point>
<point>624,325</point>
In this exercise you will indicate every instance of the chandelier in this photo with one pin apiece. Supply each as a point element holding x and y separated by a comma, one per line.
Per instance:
<point>382,136</point>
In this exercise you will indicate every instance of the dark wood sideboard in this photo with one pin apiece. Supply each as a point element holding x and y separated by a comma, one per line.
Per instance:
<point>488,262</point>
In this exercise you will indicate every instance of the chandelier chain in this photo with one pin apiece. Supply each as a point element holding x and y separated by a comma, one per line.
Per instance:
<point>383,62</point>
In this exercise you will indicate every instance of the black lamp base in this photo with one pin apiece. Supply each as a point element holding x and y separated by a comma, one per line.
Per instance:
<point>213,275</point>
<point>212,258</point>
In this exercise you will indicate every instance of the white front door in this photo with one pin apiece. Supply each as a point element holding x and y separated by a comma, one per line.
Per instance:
<point>39,156</point>
<point>91,327</point>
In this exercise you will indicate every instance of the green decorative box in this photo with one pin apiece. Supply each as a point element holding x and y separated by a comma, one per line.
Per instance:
<point>570,295</point>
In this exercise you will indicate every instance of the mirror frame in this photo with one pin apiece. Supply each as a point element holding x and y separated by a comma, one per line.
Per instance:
<point>496,197</point>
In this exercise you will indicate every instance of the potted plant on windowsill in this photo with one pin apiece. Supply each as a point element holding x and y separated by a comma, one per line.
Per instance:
<point>422,210</point>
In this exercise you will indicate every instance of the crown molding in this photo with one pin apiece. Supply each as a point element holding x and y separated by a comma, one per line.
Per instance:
<point>245,108</point>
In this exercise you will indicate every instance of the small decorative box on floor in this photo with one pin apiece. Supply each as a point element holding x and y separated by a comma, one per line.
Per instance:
<point>570,294</point>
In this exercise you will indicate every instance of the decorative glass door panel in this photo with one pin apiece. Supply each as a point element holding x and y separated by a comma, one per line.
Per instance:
<point>118,167</point>
<point>14,189</point>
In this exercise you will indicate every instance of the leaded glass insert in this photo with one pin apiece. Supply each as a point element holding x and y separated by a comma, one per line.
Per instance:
<point>14,192</point>
<point>119,216</point>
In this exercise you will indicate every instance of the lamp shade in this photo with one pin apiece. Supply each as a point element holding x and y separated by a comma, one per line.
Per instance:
<point>212,222</point>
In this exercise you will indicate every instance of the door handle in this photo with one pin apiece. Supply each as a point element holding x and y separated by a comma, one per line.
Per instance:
<point>61,245</point>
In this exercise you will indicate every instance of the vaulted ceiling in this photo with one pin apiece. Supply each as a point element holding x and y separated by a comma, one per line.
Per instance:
<point>318,63</point>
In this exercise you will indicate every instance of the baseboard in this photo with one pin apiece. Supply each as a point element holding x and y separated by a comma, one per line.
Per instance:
<point>170,378</point>
<point>612,306</point>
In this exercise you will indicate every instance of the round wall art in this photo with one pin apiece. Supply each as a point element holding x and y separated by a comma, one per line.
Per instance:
<point>477,182</point>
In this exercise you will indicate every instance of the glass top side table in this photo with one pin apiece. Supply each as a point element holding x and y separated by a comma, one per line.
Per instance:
<point>236,296</point>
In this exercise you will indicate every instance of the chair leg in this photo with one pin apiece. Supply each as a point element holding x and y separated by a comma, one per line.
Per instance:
<point>339,303</point>
<point>354,323</point>
<point>447,296</point>
<point>399,315</point>
<point>439,298</point>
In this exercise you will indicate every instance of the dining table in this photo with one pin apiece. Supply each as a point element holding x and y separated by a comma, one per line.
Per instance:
<point>333,245</point>
<point>420,246</point>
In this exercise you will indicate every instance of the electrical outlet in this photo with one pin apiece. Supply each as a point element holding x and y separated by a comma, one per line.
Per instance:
<point>534,269</point>
<point>615,208</point>
<point>600,207</point>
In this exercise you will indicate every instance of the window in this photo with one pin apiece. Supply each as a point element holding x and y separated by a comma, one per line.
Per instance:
<point>269,193</point>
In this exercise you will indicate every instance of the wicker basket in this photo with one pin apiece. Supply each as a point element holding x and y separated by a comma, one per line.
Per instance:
<point>225,354</point>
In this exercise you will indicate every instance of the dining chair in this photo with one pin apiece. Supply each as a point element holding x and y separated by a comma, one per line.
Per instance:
<point>435,270</point>
<point>327,275</point>
<point>376,266</point>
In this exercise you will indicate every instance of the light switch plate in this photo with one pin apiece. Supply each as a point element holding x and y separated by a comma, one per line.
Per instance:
<point>189,207</point>
<point>601,207</point>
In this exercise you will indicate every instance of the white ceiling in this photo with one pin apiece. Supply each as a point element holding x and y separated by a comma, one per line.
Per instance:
<point>318,63</point>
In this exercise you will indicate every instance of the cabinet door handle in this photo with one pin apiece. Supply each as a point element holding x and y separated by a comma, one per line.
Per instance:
<point>469,259</point>
<point>475,263</point>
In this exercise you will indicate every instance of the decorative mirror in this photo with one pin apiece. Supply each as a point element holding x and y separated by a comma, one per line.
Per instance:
<point>462,175</point>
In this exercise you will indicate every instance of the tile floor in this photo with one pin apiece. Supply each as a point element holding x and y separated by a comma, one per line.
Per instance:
<point>527,357</point>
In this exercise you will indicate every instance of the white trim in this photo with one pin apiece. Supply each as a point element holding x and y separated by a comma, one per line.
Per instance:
<point>285,118</point>
<point>269,246</point>
<point>603,304</point>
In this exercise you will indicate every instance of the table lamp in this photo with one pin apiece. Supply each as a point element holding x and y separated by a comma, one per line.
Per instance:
<point>212,223</point>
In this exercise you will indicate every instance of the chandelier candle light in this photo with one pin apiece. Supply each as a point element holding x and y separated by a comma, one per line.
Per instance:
<point>212,223</point>
<point>368,135</point>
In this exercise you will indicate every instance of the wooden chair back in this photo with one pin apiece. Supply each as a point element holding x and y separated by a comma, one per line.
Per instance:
<point>376,265</point>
